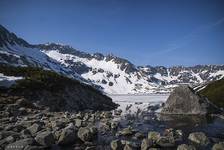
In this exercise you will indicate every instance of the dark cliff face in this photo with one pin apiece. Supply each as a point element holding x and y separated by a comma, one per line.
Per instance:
<point>58,93</point>
<point>7,37</point>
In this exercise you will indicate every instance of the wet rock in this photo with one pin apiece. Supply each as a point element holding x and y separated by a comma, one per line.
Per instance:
<point>57,124</point>
<point>154,136</point>
<point>34,128</point>
<point>87,133</point>
<point>165,141</point>
<point>25,133</point>
<point>78,123</point>
<point>218,146</point>
<point>199,138</point>
<point>116,145</point>
<point>45,138</point>
<point>186,147</point>
<point>20,145</point>
<point>184,100</point>
<point>146,144</point>
<point>127,131</point>
<point>68,135</point>
<point>139,135</point>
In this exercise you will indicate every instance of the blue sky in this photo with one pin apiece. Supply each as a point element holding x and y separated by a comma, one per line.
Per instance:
<point>150,32</point>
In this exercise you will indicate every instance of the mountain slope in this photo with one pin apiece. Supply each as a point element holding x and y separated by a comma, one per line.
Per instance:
<point>119,76</point>
<point>16,51</point>
<point>115,75</point>
<point>47,89</point>
<point>214,91</point>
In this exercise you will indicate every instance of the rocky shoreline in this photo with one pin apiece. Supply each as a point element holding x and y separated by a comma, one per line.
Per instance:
<point>26,126</point>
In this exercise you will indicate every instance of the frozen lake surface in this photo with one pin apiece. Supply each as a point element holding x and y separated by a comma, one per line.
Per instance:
<point>136,102</point>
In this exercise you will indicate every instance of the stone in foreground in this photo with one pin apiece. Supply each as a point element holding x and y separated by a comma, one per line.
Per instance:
<point>199,138</point>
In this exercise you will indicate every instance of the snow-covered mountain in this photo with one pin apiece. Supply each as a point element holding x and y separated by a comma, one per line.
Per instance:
<point>17,52</point>
<point>118,75</point>
<point>112,74</point>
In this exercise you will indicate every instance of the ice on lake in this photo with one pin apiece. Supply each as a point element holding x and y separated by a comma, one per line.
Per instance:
<point>132,103</point>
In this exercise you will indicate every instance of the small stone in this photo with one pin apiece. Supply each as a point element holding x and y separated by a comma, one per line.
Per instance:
<point>10,139</point>
<point>165,141</point>
<point>87,133</point>
<point>139,135</point>
<point>128,147</point>
<point>186,147</point>
<point>25,133</point>
<point>153,135</point>
<point>116,145</point>
<point>45,138</point>
<point>78,123</point>
<point>199,138</point>
<point>127,131</point>
<point>218,146</point>
<point>68,135</point>
<point>146,144</point>
<point>34,128</point>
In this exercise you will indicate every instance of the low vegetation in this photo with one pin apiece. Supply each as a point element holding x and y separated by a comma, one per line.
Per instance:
<point>52,90</point>
<point>215,92</point>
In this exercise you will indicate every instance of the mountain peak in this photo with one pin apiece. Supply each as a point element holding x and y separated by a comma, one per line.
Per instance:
<point>9,38</point>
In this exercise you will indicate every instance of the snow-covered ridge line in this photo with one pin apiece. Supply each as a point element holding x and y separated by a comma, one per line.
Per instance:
<point>112,74</point>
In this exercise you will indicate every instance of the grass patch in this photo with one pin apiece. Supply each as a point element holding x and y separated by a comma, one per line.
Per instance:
<point>215,92</point>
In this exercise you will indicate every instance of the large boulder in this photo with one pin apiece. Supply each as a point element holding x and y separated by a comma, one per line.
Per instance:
<point>184,100</point>
<point>87,133</point>
<point>68,135</point>
<point>199,138</point>
<point>45,138</point>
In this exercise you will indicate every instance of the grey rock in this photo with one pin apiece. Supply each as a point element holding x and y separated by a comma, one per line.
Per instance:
<point>25,133</point>
<point>165,141</point>
<point>199,138</point>
<point>68,135</point>
<point>184,100</point>
<point>146,144</point>
<point>45,138</point>
<point>34,128</point>
<point>87,133</point>
<point>153,135</point>
<point>10,139</point>
<point>78,123</point>
<point>186,147</point>
<point>218,146</point>
<point>127,131</point>
<point>139,135</point>
<point>116,145</point>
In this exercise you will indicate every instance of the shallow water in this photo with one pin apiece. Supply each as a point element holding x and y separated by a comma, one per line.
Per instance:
<point>147,120</point>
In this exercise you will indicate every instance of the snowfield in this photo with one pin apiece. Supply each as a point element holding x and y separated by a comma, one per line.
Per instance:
<point>7,81</point>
